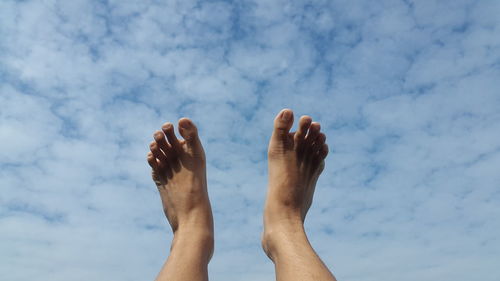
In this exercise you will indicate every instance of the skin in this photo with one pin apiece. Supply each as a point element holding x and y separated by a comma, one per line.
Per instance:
<point>179,172</point>
<point>295,162</point>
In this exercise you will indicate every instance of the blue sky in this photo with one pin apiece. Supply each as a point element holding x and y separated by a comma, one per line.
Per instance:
<point>407,92</point>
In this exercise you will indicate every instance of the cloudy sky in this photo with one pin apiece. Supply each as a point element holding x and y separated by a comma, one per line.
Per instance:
<point>408,93</point>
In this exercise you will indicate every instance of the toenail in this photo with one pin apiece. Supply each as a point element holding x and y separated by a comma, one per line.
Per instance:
<point>286,115</point>
<point>167,126</point>
<point>186,124</point>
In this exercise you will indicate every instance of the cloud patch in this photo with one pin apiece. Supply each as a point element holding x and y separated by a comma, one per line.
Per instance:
<point>406,91</point>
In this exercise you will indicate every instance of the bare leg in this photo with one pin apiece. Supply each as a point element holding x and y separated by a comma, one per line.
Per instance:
<point>295,162</point>
<point>179,172</point>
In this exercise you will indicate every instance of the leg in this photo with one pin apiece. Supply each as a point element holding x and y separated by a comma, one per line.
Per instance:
<point>295,162</point>
<point>179,172</point>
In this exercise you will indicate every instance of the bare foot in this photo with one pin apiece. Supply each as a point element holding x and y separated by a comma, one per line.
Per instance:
<point>295,162</point>
<point>179,172</point>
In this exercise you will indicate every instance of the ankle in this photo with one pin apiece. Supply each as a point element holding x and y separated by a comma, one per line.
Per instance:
<point>278,238</point>
<point>198,241</point>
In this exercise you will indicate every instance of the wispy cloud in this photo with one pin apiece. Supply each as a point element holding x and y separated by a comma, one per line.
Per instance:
<point>407,93</point>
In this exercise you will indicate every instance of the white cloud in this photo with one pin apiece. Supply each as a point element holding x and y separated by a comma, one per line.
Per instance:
<point>407,93</point>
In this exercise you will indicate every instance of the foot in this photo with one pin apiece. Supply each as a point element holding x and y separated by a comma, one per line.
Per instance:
<point>295,162</point>
<point>179,172</point>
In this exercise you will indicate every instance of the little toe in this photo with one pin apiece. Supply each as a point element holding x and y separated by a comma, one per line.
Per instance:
<point>157,153</point>
<point>282,124</point>
<point>168,129</point>
<point>156,170</point>
<point>323,152</point>
<point>318,143</point>
<point>164,169</point>
<point>152,162</point>
<point>299,136</point>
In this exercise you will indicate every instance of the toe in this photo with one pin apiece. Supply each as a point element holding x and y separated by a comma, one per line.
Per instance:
<point>157,153</point>
<point>163,167</point>
<point>152,162</point>
<point>189,132</point>
<point>299,136</point>
<point>323,152</point>
<point>163,144</point>
<point>282,124</point>
<point>318,143</point>
<point>313,133</point>
<point>168,129</point>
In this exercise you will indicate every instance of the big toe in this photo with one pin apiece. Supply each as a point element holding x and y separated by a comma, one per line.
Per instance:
<point>189,132</point>
<point>282,124</point>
